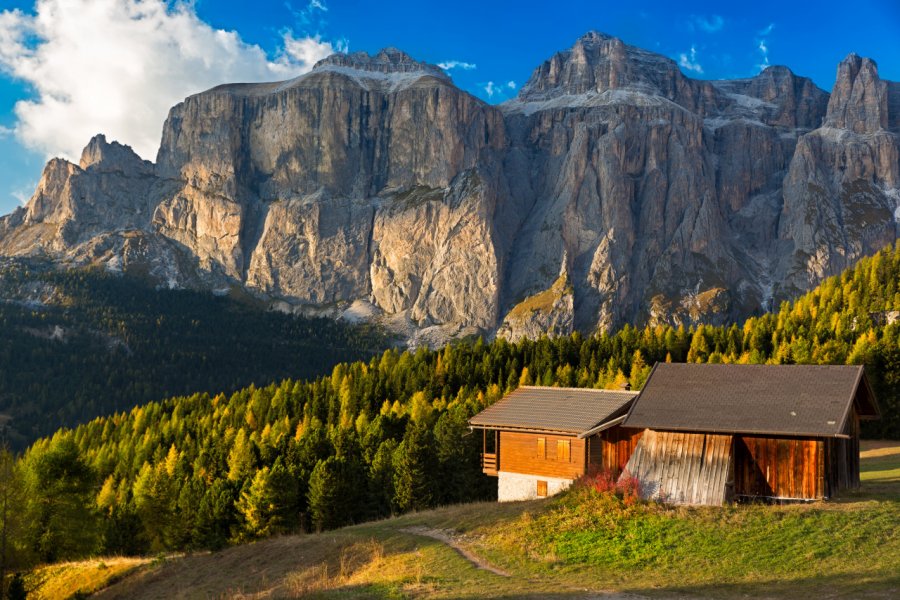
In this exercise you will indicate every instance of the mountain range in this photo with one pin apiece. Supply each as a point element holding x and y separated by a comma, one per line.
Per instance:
<point>612,189</point>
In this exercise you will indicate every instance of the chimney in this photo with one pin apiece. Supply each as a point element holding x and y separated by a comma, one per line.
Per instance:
<point>625,386</point>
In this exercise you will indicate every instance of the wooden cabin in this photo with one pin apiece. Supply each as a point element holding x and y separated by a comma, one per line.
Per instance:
<point>717,433</point>
<point>538,440</point>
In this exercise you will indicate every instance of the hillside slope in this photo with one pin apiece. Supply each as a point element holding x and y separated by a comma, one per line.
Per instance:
<point>81,343</point>
<point>390,435</point>
<point>583,545</point>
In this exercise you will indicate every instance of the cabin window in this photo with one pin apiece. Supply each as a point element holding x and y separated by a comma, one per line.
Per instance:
<point>541,489</point>
<point>563,450</point>
<point>542,447</point>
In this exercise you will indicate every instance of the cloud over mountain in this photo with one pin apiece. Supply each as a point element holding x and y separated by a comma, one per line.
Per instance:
<point>117,66</point>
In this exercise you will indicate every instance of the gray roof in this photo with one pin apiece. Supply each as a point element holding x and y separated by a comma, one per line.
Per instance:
<point>801,400</point>
<point>554,409</point>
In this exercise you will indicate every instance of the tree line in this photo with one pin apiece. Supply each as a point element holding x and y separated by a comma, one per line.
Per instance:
<point>384,436</point>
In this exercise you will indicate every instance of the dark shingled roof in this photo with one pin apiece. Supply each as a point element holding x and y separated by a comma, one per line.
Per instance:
<point>553,409</point>
<point>802,400</point>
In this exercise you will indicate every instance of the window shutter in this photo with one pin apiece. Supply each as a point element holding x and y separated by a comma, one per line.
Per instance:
<point>563,450</point>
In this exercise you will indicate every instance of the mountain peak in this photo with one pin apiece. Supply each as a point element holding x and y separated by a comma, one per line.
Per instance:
<point>598,62</point>
<point>101,154</point>
<point>386,61</point>
<point>593,37</point>
<point>859,100</point>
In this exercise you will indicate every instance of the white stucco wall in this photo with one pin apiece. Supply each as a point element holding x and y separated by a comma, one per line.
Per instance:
<point>516,486</point>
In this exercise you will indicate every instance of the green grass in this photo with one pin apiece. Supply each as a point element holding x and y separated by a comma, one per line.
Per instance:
<point>847,547</point>
<point>881,466</point>
<point>592,539</point>
<point>571,546</point>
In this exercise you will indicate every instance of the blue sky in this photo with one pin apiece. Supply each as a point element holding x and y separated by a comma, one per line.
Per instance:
<point>115,66</point>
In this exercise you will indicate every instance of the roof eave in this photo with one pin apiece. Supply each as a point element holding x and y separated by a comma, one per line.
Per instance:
<point>602,427</point>
<point>718,430</point>
<point>520,429</point>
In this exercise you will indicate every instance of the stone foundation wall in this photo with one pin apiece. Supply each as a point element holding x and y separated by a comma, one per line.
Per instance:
<point>516,486</point>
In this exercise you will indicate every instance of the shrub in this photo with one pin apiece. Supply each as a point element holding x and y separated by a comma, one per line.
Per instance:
<point>604,481</point>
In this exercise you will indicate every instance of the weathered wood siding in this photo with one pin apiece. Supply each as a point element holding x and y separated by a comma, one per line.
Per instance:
<point>842,458</point>
<point>798,468</point>
<point>786,468</point>
<point>611,449</point>
<point>519,454</point>
<point>682,468</point>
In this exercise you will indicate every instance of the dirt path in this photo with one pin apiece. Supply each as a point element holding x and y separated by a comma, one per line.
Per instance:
<point>442,536</point>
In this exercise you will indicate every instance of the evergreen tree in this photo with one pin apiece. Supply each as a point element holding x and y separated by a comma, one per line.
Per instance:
<point>415,470</point>
<point>269,504</point>
<point>14,517</point>
<point>334,496</point>
<point>60,490</point>
<point>381,480</point>
<point>459,460</point>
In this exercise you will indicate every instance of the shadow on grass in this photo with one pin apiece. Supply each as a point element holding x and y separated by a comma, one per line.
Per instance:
<point>830,586</point>
<point>827,587</point>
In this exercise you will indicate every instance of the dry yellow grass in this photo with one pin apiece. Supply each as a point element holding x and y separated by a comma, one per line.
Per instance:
<point>869,449</point>
<point>542,301</point>
<point>880,466</point>
<point>63,580</point>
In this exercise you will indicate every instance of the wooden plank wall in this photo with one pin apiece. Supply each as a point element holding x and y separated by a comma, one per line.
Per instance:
<point>842,458</point>
<point>519,454</point>
<point>788,468</point>
<point>611,449</point>
<point>682,468</point>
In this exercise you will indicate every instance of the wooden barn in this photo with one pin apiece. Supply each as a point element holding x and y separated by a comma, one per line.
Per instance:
<point>538,440</point>
<point>717,433</point>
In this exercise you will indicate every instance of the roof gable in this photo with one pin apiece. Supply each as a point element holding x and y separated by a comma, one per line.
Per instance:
<point>564,410</point>
<point>793,400</point>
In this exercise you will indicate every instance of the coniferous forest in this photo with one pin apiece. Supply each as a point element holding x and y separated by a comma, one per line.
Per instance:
<point>387,435</point>
<point>82,343</point>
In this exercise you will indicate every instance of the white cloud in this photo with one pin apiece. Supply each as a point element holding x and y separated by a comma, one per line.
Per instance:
<point>500,90</point>
<point>456,64</point>
<point>764,52</point>
<point>117,66</point>
<point>23,194</point>
<point>311,14</point>
<point>762,46</point>
<point>6,131</point>
<point>688,61</point>
<point>711,24</point>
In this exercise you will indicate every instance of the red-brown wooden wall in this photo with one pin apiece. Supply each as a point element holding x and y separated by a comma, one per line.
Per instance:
<point>797,468</point>
<point>611,449</point>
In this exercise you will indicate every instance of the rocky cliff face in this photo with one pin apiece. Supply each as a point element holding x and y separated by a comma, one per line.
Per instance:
<point>373,187</point>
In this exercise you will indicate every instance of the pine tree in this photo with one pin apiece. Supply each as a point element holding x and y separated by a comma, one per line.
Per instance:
<point>61,491</point>
<point>269,504</point>
<point>381,479</point>
<point>415,470</point>
<point>458,456</point>
<point>331,494</point>
<point>14,517</point>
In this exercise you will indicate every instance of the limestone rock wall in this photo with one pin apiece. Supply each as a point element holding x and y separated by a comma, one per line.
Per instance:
<point>373,181</point>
